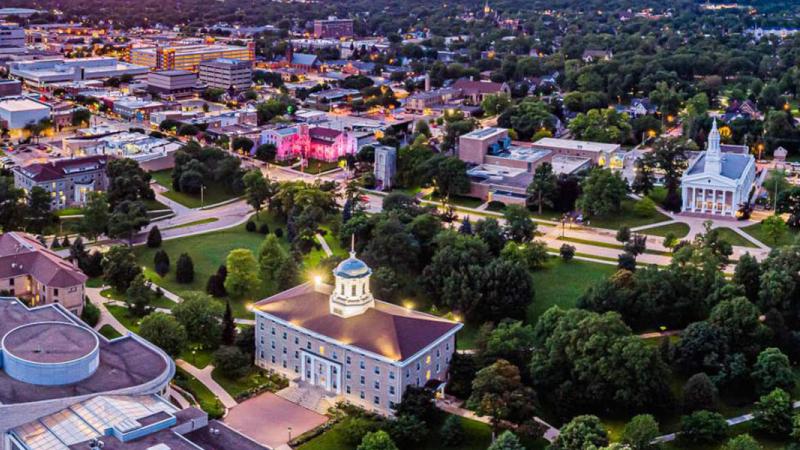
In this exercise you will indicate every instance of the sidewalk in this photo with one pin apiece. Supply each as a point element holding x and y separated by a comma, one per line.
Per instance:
<point>550,434</point>
<point>204,376</point>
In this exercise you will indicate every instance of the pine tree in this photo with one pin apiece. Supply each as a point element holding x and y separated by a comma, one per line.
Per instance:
<point>184,269</point>
<point>154,237</point>
<point>228,326</point>
<point>466,226</point>
<point>161,262</point>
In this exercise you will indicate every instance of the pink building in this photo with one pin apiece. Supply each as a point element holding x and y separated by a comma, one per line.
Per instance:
<point>302,141</point>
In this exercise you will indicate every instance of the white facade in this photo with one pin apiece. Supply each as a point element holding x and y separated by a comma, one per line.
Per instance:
<point>41,72</point>
<point>717,184</point>
<point>18,112</point>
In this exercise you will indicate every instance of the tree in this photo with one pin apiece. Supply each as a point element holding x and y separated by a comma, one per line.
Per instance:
<point>161,263</point>
<point>527,118</point>
<point>703,427</point>
<point>243,271</point>
<point>201,316</point>
<point>266,152</point>
<point>506,290</point>
<point>506,441</point>
<point>772,413</point>
<point>271,256</point>
<point>510,340</point>
<point>774,227</point>
<point>789,202</point>
<point>491,233</point>
<point>495,104</point>
<point>38,213</point>
<point>747,275</point>
<point>742,442</point>
<point>773,370</point>
<point>12,211</point>
<point>623,235</point>
<point>81,117</point>
<point>519,228</point>
<point>626,261</point>
<point>447,174</point>
<point>232,362</point>
<point>184,269</point>
<point>543,186</point>
<point>604,125</point>
<point>497,391</point>
<point>95,215</point>
<point>392,245</point>
<point>669,156</point>
<point>127,218</point>
<point>228,326</point>
<point>127,181</point>
<point>242,144</point>
<point>699,393</point>
<point>139,295</point>
<point>164,331</point>
<point>257,189</point>
<point>154,237</point>
<point>640,431</point>
<point>120,268</point>
<point>377,440</point>
<point>580,433</point>
<point>452,432</point>
<point>603,192</point>
<point>567,252</point>
<point>288,273</point>
<point>418,402</point>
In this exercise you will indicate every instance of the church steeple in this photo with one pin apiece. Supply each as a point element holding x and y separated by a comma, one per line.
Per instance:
<point>713,163</point>
<point>351,295</point>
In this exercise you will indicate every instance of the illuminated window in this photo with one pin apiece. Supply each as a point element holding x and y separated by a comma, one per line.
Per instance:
<point>428,359</point>
<point>321,350</point>
<point>428,375</point>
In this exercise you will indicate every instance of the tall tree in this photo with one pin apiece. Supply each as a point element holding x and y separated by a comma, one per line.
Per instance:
<point>228,326</point>
<point>542,187</point>
<point>242,278</point>
<point>95,215</point>
<point>127,218</point>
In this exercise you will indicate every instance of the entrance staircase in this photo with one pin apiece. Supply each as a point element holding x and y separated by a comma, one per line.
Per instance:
<point>309,396</point>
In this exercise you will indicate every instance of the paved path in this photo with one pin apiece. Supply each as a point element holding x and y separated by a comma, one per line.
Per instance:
<point>270,420</point>
<point>106,318</point>
<point>325,247</point>
<point>550,433</point>
<point>204,376</point>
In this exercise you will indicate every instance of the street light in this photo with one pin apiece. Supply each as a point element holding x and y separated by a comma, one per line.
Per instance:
<point>289,429</point>
<point>202,191</point>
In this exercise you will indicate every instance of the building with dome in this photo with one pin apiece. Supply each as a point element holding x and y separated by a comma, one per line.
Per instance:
<point>351,346</point>
<point>717,183</point>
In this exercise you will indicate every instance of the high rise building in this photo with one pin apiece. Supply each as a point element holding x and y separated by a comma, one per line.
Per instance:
<point>226,73</point>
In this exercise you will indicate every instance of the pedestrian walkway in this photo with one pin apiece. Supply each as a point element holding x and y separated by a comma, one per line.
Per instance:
<point>448,405</point>
<point>204,376</point>
<point>325,247</point>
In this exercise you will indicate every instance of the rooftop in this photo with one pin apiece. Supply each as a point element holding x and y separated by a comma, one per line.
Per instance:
<point>485,133</point>
<point>571,144</point>
<point>125,362</point>
<point>55,170</point>
<point>21,254</point>
<point>387,330</point>
<point>20,105</point>
<point>733,165</point>
<point>47,342</point>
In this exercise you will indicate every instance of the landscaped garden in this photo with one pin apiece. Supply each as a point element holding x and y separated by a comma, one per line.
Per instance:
<point>734,238</point>
<point>214,192</point>
<point>207,401</point>
<point>626,217</point>
<point>678,229</point>
<point>758,232</point>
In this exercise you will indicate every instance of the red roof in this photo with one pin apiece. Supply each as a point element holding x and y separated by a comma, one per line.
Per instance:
<point>22,254</point>
<point>388,330</point>
<point>55,170</point>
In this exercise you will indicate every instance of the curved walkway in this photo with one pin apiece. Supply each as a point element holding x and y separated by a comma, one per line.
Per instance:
<point>204,376</point>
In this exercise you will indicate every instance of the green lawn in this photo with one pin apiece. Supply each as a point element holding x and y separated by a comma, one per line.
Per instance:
<point>214,192</point>
<point>155,205</point>
<point>734,238</point>
<point>109,332</point>
<point>466,202</point>
<point>127,320</point>
<point>608,245</point>
<point>315,166</point>
<point>191,224</point>
<point>757,232</point>
<point>69,212</point>
<point>207,400</point>
<point>95,282</point>
<point>561,283</point>
<point>208,251</point>
<point>254,379</point>
<point>626,218</point>
<point>158,302</point>
<point>679,229</point>
<point>477,436</point>
<point>197,356</point>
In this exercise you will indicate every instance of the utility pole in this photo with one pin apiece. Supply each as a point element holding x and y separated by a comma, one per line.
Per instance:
<point>202,191</point>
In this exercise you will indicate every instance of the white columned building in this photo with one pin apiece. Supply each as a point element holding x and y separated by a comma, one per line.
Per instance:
<point>717,183</point>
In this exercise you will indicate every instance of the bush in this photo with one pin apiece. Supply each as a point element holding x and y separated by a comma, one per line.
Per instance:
<point>452,432</point>
<point>250,226</point>
<point>92,265</point>
<point>355,428</point>
<point>154,237</point>
<point>699,393</point>
<point>65,243</point>
<point>703,427</point>
<point>567,252</point>
<point>645,208</point>
<point>232,362</point>
<point>184,269</point>
<point>263,229</point>
<point>164,331</point>
<point>161,262</point>
<point>279,233</point>
<point>90,313</point>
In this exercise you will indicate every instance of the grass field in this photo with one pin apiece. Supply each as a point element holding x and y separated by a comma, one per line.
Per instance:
<point>254,379</point>
<point>158,302</point>
<point>467,202</point>
<point>679,229</point>
<point>477,436</point>
<point>127,320</point>
<point>314,166</point>
<point>208,251</point>
<point>207,400</point>
<point>109,332</point>
<point>734,238</point>
<point>560,283</point>
<point>626,218</point>
<point>214,192</point>
<point>758,232</point>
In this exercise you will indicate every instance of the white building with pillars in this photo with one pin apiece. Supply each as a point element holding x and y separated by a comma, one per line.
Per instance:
<point>717,183</point>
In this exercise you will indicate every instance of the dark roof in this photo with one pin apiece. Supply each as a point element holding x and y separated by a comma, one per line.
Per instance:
<point>56,170</point>
<point>323,133</point>
<point>21,254</point>
<point>171,439</point>
<point>50,342</point>
<point>222,438</point>
<point>733,165</point>
<point>387,330</point>
<point>481,87</point>
<point>124,362</point>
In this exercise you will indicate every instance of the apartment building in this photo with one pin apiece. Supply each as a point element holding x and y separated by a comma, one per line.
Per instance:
<point>333,28</point>
<point>188,57</point>
<point>228,74</point>
<point>69,181</point>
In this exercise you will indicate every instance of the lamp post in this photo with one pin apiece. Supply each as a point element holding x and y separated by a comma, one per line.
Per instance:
<point>202,192</point>
<point>289,429</point>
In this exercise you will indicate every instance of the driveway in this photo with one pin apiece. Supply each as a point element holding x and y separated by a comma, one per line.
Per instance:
<point>266,419</point>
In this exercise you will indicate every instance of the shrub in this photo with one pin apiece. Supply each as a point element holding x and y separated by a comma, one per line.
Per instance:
<point>703,427</point>
<point>161,262</point>
<point>90,313</point>
<point>567,252</point>
<point>279,232</point>
<point>231,362</point>
<point>452,432</point>
<point>92,265</point>
<point>263,229</point>
<point>645,208</point>
<point>154,237</point>
<point>184,269</point>
<point>250,226</point>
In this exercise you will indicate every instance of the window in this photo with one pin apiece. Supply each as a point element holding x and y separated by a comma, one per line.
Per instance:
<point>408,373</point>
<point>391,390</point>
<point>284,335</point>
<point>284,350</point>
<point>260,326</point>
<point>296,369</point>
<point>377,384</point>
<point>447,347</point>
<point>284,364</point>
<point>438,353</point>
<point>272,344</point>
<point>273,359</point>
<point>348,375</point>
<point>335,356</point>
<point>353,290</point>
<point>377,370</point>
<point>376,400</point>
<point>273,331</point>
<point>361,364</point>
<point>348,359</point>
<point>437,367</point>
<point>296,354</point>
<point>308,345</point>
<point>261,354</point>
<point>361,395</point>
<point>55,292</point>
<point>418,366</point>
<point>261,340</point>
<point>362,379</point>
<point>10,281</point>
<point>296,340</point>
<point>347,389</point>
<point>391,375</point>
<point>428,359</point>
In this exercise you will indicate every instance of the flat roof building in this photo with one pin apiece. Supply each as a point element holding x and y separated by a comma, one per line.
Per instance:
<point>188,57</point>
<point>172,83</point>
<point>333,28</point>
<point>17,112</point>
<point>41,72</point>
<point>228,74</point>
